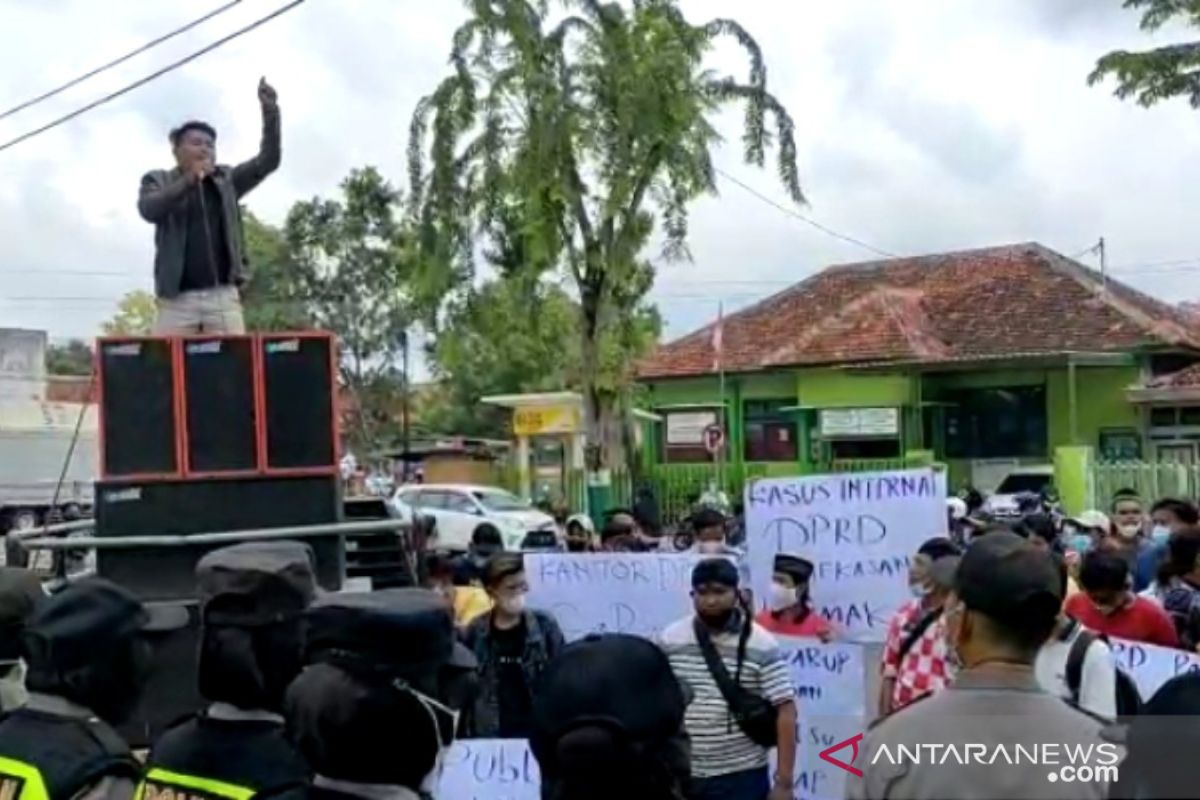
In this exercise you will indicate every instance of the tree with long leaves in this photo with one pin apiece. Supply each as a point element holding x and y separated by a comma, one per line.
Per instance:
<point>587,132</point>
<point>1161,73</point>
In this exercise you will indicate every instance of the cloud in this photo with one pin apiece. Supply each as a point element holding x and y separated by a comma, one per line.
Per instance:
<point>920,127</point>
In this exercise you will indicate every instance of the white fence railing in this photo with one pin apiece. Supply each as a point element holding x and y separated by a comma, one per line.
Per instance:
<point>1151,479</point>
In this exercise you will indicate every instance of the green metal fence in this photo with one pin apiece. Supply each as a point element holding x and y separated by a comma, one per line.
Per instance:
<point>1151,479</point>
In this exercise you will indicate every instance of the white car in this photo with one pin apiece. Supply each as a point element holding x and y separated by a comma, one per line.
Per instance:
<point>1020,481</point>
<point>461,508</point>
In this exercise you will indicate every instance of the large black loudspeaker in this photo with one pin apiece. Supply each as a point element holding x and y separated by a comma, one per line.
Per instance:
<point>300,410</point>
<point>220,406</point>
<point>182,508</point>
<point>139,424</point>
<point>198,407</point>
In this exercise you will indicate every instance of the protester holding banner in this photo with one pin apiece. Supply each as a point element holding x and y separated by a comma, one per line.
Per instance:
<point>789,610</point>
<point>1108,605</point>
<point>743,701</point>
<point>608,723</point>
<point>1006,603</point>
<point>915,659</point>
<point>513,645</point>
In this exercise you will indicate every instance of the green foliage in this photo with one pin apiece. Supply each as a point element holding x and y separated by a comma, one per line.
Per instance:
<point>135,315</point>
<point>72,358</point>
<point>1163,72</point>
<point>272,299</point>
<point>348,266</point>
<point>566,141</point>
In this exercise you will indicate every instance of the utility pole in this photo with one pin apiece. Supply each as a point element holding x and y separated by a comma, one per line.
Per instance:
<point>1103,265</point>
<point>405,433</point>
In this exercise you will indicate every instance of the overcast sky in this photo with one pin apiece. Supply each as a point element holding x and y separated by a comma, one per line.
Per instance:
<point>922,127</point>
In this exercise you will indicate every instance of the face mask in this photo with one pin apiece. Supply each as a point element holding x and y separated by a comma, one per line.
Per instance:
<point>918,590</point>
<point>1079,542</point>
<point>1129,531</point>
<point>711,548</point>
<point>1160,534</point>
<point>513,604</point>
<point>781,597</point>
<point>576,545</point>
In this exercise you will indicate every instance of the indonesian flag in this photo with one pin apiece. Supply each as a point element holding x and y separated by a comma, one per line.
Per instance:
<point>718,338</point>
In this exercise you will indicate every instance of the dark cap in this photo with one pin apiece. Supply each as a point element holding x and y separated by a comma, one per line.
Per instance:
<point>20,591</point>
<point>801,569</point>
<point>715,570</point>
<point>256,583</point>
<point>1004,577</point>
<point>70,627</point>
<point>399,631</point>
<point>588,687</point>
<point>337,721</point>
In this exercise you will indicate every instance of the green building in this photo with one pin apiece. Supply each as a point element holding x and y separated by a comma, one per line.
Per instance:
<point>984,360</point>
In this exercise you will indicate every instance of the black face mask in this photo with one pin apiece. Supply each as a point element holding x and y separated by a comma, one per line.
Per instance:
<point>576,545</point>
<point>719,621</point>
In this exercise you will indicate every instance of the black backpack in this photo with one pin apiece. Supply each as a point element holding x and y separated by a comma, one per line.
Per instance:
<point>1129,700</point>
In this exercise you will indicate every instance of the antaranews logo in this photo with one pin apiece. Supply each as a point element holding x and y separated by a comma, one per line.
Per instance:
<point>1065,762</point>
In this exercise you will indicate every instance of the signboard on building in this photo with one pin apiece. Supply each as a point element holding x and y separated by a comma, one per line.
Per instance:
<point>847,422</point>
<point>687,427</point>
<point>546,420</point>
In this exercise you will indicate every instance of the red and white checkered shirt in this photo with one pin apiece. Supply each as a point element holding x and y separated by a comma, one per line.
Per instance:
<point>926,666</point>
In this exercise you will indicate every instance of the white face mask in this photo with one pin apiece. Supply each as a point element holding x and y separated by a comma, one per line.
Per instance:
<point>781,597</point>
<point>919,590</point>
<point>711,548</point>
<point>513,604</point>
<point>1129,531</point>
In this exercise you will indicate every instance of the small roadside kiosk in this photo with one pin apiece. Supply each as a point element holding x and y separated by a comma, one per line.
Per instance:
<point>555,416</point>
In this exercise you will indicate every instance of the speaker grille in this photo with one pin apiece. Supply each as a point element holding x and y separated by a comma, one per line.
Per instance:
<point>218,377</point>
<point>298,398</point>
<point>138,408</point>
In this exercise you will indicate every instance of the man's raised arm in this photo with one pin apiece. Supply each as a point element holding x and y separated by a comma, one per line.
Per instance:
<point>251,173</point>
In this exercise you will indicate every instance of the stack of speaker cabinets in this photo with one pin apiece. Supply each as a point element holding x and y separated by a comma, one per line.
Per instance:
<point>211,434</point>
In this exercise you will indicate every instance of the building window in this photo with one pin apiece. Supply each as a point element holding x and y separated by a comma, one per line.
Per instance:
<point>996,423</point>
<point>683,434</point>
<point>770,432</point>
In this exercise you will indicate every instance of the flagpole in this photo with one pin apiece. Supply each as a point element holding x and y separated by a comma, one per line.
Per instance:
<point>724,408</point>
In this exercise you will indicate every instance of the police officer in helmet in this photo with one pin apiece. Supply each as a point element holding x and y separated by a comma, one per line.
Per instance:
<point>87,659</point>
<point>372,711</point>
<point>252,599</point>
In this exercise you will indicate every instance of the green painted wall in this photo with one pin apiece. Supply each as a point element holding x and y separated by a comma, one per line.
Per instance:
<point>828,388</point>
<point>1100,403</point>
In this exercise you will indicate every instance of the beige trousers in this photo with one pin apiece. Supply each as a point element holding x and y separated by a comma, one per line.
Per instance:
<point>217,310</point>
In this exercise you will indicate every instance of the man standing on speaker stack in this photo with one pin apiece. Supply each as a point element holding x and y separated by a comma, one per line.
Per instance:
<point>199,263</point>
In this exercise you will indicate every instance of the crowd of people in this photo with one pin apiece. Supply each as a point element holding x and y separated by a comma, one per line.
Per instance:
<point>360,695</point>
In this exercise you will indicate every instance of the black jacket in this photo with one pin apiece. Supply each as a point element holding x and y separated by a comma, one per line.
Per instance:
<point>161,202</point>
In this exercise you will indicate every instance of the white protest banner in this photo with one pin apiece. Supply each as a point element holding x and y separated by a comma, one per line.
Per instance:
<point>1150,665</point>
<point>858,529</point>
<point>637,593</point>
<point>489,769</point>
<point>829,684</point>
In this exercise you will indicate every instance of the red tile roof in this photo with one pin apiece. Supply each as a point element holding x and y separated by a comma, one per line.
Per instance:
<point>991,302</point>
<point>70,389</point>
<point>1184,378</point>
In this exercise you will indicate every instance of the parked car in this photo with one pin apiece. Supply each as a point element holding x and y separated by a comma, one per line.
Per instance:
<point>1019,482</point>
<point>461,508</point>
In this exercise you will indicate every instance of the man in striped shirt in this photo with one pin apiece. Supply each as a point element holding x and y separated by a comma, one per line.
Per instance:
<point>727,764</point>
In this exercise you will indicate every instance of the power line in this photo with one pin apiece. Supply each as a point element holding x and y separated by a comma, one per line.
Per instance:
<point>153,43</point>
<point>807,220</point>
<point>152,76</point>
